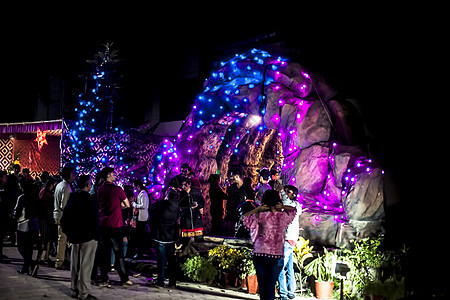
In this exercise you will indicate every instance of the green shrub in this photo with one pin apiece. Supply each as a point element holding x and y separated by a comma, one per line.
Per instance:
<point>199,269</point>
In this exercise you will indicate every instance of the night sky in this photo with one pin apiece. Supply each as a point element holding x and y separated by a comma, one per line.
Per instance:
<point>365,55</point>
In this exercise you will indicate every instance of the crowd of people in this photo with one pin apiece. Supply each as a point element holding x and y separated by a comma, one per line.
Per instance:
<point>103,223</point>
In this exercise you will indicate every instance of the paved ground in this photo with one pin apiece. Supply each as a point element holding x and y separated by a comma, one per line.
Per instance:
<point>55,284</point>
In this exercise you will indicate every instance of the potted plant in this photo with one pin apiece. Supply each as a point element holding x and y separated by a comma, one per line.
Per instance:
<point>248,272</point>
<point>302,251</point>
<point>374,271</point>
<point>322,268</point>
<point>199,269</point>
<point>228,260</point>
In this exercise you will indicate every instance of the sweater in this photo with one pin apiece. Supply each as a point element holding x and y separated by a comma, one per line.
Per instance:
<point>269,230</point>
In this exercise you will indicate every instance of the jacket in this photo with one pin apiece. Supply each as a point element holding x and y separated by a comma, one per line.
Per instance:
<point>164,221</point>
<point>80,218</point>
<point>269,230</point>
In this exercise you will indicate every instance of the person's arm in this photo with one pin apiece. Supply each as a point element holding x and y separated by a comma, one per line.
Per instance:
<point>282,207</point>
<point>257,210</point>
<point>140,201</point>
<point>125,203</point>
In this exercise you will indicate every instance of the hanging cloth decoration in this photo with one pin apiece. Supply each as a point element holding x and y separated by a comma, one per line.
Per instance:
<point>40,139</point>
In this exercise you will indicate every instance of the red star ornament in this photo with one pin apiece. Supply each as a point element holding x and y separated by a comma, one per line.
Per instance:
<point>41,138</point>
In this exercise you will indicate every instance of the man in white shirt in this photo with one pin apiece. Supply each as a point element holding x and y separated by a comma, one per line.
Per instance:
<point>141,209</point>
<point>62,193</point>
<point>286,279</point>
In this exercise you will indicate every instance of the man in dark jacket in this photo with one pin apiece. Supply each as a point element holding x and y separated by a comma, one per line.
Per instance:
<point>164,228</point>
<point>80,223</point>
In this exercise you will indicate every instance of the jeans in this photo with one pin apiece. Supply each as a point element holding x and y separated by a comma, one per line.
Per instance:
<point>267,271</point>
<point>166,253</point>
<point>286,279</point>
<point>111,238</point>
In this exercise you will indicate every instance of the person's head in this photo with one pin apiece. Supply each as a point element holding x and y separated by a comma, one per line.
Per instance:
<point>25,171</point>
<point>27,186</point>
<point>264,175</point>
<point>3,177</point>
<point>16,169</point>
<point>109,175</point>
<point>291,191</point>
<point>99,179</point>
<point>173,196</point>
<point>236,175</point>
<point>139,184</point>
<point>214,179</point>
<point>84,183</point>
<point>44,176</point>
<point>247,181</point>
<point>186,185</point>
<point>129,191</point>
<point>68,174</point>
<point>50,183</point>
<point>271,198</point>
<point>185,170</point>
<point>275,174</point>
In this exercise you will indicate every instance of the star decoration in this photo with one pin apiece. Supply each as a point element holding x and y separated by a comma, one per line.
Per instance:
<point>41,138</point>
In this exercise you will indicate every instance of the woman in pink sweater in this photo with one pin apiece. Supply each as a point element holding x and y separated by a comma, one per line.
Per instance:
<point>267,224</point>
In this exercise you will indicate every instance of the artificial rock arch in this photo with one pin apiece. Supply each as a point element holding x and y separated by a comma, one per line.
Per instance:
<point>258,111</point>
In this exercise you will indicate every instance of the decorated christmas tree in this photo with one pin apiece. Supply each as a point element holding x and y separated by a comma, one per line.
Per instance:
<point>92,140</point>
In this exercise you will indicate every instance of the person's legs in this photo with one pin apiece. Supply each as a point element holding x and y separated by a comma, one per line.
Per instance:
<point>117,246</point>
<point>290,275</point>
<point>286,278</point>
<point>74,268</point>
<point>25,247</point>
<point>171,264</point>
<point>261,275</point>
<point>274,267</point>
<point>86,261</point>
<point>61,249</point>
<point>161,262</point>
<point>104,253</point>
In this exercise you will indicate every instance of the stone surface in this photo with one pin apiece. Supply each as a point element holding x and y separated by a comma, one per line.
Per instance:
<point>319,228</point>
<point>315,126</point>
<point>365,199</point>
<point>312,169</point>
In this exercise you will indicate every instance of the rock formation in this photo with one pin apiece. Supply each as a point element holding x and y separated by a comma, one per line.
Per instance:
<point>260,111</point>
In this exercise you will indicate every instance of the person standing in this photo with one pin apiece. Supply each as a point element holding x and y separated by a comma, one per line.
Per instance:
<point>62,193</point>
<point>237,194</point>
<point>80,223</point>
<point>267,224</point>
<point>27,226</point>
<point>4,211</point>
<point>164,229</point>
<point>191,205</point>
<point>217,197</point>
<point>140,208</point>
<point>286,279</point>
<point>264,176</point>
<point>46,222</point>
<point>111,200</point>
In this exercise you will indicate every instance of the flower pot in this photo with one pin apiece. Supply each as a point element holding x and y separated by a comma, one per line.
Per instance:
<point>231,279</point>
<point>252,284</point>
<point>324,289</point>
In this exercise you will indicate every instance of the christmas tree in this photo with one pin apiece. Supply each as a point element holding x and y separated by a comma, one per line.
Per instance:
<point>93,141</point>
